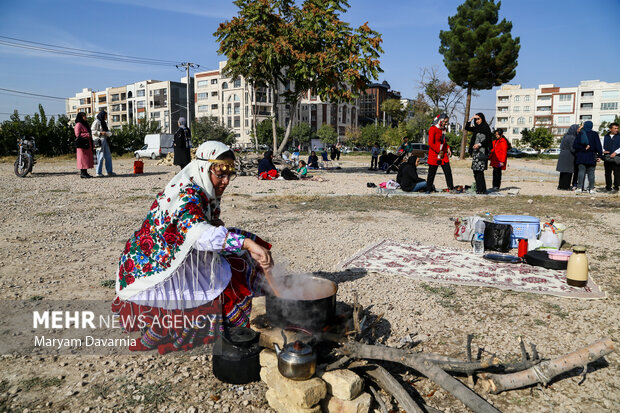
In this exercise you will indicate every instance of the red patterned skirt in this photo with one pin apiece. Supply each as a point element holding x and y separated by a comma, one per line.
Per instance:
<point>172,330</point>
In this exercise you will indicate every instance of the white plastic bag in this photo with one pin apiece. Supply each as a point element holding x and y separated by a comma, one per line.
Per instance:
<point>465,228</point>
<point>549,239</point>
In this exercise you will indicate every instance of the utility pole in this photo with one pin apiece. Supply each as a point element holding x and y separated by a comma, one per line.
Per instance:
<point>187,66</point>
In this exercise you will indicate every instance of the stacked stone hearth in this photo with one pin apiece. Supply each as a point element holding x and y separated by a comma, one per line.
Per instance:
<point>336,391</point>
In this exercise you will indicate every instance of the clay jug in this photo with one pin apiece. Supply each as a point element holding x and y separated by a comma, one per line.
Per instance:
<point>577,269</point>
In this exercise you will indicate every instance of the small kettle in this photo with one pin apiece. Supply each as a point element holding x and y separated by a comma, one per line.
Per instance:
<point>297,360</point>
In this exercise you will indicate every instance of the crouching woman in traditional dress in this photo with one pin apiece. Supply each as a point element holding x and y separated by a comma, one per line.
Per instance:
<point>185,265</point>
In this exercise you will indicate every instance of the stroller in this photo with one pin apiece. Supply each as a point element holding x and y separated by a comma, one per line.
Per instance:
<point>394,161</point>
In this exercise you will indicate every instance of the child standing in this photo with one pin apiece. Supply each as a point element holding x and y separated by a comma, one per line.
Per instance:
<point>374,157</point>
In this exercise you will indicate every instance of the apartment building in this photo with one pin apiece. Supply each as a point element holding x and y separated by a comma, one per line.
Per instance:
<point>81,102</point>
<point>162,102</point>
<point>370,103</point>
<point>554,107</point>
<point>235,104</point>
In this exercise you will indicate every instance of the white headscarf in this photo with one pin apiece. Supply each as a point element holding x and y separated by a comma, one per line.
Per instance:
<point>171,201</point>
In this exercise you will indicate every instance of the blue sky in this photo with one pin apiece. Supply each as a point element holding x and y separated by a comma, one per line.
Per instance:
<point>562,42</point>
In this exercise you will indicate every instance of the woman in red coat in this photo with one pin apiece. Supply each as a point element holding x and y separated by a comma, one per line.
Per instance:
<point>438,153</point>
<point>85,159</point>
<point>498,157</point>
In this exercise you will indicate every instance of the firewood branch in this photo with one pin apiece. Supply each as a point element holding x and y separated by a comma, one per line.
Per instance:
<point>426,367</point>
<point>546,370</point>
<point>388,383</point>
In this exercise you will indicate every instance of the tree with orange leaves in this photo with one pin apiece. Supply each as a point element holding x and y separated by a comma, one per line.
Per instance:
<point>302,46</point>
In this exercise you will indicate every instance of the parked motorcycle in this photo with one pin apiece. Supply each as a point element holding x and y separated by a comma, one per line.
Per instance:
<point>25,156</point>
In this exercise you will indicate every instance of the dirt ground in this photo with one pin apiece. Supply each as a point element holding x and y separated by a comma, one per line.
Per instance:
<point>62,237</point>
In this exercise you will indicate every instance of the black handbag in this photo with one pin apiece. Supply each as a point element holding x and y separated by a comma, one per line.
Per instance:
<point>497,237</point>
<point>81,143</point>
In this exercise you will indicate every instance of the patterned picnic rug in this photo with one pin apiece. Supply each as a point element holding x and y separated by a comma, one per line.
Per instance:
<point>453,266</point>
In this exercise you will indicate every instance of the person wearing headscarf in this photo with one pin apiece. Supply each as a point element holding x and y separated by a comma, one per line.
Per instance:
<point>587,149</point>
<point>408,176</point>
<point>498,157</point>
<point>611,153</point>
<point>313,161</point>
<point>101,132</point>
<point>266,169</point>
<point>439,153</point>
<point>84,155</point>
<point>182,144</point>
<point>566,159</point>
<point>183,273</point>
<point>479,149</point>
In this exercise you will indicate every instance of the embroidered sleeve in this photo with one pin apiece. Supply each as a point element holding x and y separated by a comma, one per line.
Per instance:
<point>233,242</point>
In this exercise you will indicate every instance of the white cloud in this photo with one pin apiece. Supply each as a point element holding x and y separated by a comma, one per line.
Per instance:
<point>207,8</point>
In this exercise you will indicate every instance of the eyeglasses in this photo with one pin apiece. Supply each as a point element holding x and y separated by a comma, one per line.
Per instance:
<point>231,176</point>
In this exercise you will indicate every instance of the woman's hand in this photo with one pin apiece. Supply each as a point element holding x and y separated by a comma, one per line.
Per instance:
<point>476,146</point>
<point>260,254</point>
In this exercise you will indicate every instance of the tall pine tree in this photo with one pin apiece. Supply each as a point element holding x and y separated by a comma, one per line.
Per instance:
<point>479,52</point>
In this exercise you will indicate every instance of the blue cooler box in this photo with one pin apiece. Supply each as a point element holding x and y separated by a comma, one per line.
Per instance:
<point>523,226</point>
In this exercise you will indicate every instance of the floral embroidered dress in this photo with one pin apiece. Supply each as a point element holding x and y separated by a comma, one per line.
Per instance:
<point>178,264</point>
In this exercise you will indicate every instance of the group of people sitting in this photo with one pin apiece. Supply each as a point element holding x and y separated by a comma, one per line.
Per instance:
<point>268,171</point>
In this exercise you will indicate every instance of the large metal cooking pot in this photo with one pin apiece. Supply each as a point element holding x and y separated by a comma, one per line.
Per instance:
<point>305,301</point>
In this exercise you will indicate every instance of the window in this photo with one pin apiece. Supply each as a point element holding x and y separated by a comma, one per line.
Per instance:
<point>229,122</point>
<point>201,96</point>
<point>515,130</point>
<point>521,121</point>
<point>82,101</point>
<point>609,105</point>
<point>526,108</point>
<point>229,109</point>
<point>587,94</point>
<point>544,108</point>
<point>237,82</point>
<point>237,109</point>
<point>140,92</point>
<point>607,118</point>
<point>517,98</point>
<point>526,98</point>
<point>154,114</point>
<point>563,120</point>
<point>202,83</point>
<point>203,108</point>
<point>585,117</point>
<point>564,108</point>
<point>214,81</point>
<point>123,96</point>
<point>116,118</point>
<point>562,131</point>
<point>224,85</point>
<point>517,108</point>
<point>566,97</point>
<point>609,94</point>
<point>150,93</point>
<point>141,104</point>
<point>545,97</point>
<point>500,98</point>
<point>214,93</point>
<point>236,98</point>
<point>214,107</point>
<point>586,106</point>
<point>116,108</point>
<point>237,122</point>
<point>102,99</point>
<point>502,120</point>
<point>115,97</point>
<point>530,119</point>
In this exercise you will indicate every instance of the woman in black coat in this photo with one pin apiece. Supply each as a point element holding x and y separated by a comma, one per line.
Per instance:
<point>182,144</point>
<point>479,149</point>
<point>566,160</point>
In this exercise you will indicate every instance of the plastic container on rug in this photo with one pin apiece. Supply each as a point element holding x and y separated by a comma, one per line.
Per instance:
<point>523,226</point>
